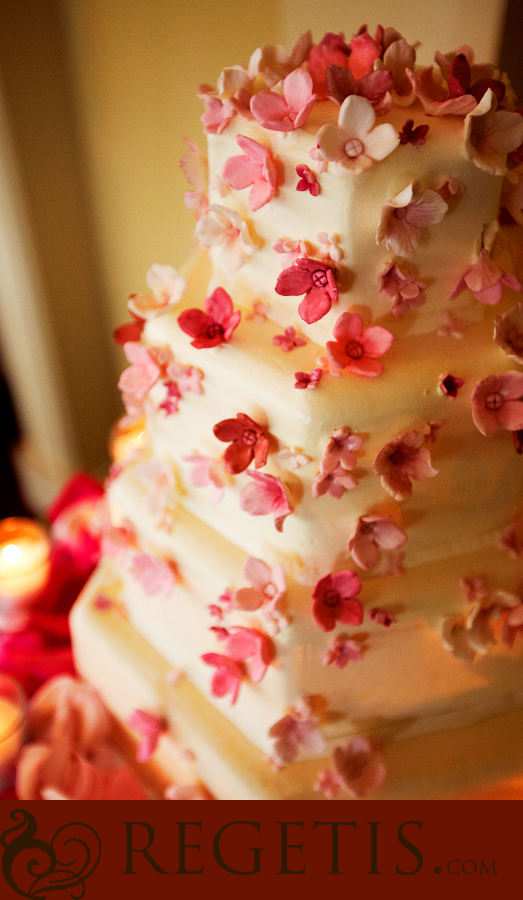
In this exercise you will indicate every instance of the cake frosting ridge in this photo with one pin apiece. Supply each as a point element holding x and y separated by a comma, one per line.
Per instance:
<point>323,529</point>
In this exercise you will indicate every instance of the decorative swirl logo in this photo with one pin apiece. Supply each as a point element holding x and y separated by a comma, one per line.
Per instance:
<point>34,868</point>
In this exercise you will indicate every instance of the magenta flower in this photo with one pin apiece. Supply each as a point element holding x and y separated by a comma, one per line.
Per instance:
<point>287,112</point>
<point>399,284</point>
<point>314,279</point>
<point>215,325</point>
<point>403,458</point>
<point>149,727</point>
<point>497,403</point>
<point>486,279</point>
<point>227,677</point>
<point>403,218</point>
<point>206,471</point>
<point>248,442</point>
<point>355,143</point>
<point>255,169</point>
<point>308,181</point>
<point>341,651</point>
<point>249,644</point>
<point>357,349</point>
<point>335,600</point>
<point>369,535</point>
<point>296,729</point>
<point>308,380</point>
<point>289,339</point>
<point>335,482</point>
<point>358,767</point>
<point>268,586</point>
<point>264,496</point>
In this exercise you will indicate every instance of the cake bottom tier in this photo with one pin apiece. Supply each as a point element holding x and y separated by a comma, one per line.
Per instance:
<point>199,744</point>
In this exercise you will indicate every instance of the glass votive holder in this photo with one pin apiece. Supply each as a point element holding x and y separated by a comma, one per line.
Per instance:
<point>13,723</point>
<point>25,565</point>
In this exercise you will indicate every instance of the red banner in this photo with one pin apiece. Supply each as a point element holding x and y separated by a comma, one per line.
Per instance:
<point>141,849</point>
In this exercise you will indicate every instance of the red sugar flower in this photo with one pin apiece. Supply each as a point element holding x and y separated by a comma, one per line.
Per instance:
<point>227,677</point>
<point>255,169</point>
<point>308,381</point>
<point>403,458</point>
<point>308,181</point>
<point>215,325</point>
<point>450,385</point>
<point>497,403</point>
<point>382,617</point>
<point>313,278</point>
<point>264,496</point>
<point>414,136</point>
<point>335,600</point>
<point>357,349</point>
<point>248,442</point>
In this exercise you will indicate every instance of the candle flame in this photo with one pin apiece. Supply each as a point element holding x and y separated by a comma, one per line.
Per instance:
<point>11,554</point>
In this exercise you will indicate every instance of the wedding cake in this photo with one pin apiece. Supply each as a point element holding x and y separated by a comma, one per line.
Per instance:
<point>315,559</point>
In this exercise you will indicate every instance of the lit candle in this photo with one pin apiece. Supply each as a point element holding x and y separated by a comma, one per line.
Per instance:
<point>24,570</point>
<point>13,711</point>
<point>124,439</point>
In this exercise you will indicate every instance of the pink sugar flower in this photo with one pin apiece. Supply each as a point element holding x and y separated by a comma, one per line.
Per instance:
<point>248,441</point>
<point>313,278</point>
<point>154,575</point>
<point>308,181</point>
<point>382,617</point>
<point>228,675</point>
<point>486,279</point>
<point>357,349</point>
<point>403,458</point>
<point>341,651</point>
<point>335,600</point>
<point>224,228</point>
<point>358,767</point>
<point>206,471</point>
<point>296,729</point>
<point>287,112</point>
<point>369,535</point>
<point>217,114</point>
<point>355,143</point>
<point>149,727</point>
<point>268,585</point>
<point>265,496</point>
<point>491,133</point>
<point>187,378</point>
<point>335,482</point>
<point>254,169</point>
<point>399,284</point>
<point>451,326</point>
<point>497,403</point>
<point>167,287</point>
<point>513,625</point>
<point>215,325</point>
<point>508,332</point>
<point>375,86</point>
<point>327,784</point>
<point>308,380</point>
<point>290,250</point>
<point>289,339</point>
<point>248,644</point>
<point>137,380</point>
<point>403,218</point>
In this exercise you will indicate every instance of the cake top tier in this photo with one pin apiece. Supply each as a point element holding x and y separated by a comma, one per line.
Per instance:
<point>343,177</point>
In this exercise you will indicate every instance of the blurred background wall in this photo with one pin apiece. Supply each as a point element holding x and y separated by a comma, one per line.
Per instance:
<point>95,99</point>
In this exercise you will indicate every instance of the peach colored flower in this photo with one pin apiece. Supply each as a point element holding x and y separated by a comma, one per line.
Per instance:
<point>486,279</point>
<point>370,533</point>
<point>274,62</point>
<point>403,218</point>
<point>403,458</point>
<point>357,767</point>
<point>400,285</point>
<point>497,403</point>
<point>224,228</point>
<point>355,143</point>
<point>268,585</point>
<point>167,287</point>
<point>297,729</point>
<point>491,133</point>
<point>508,332</point>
